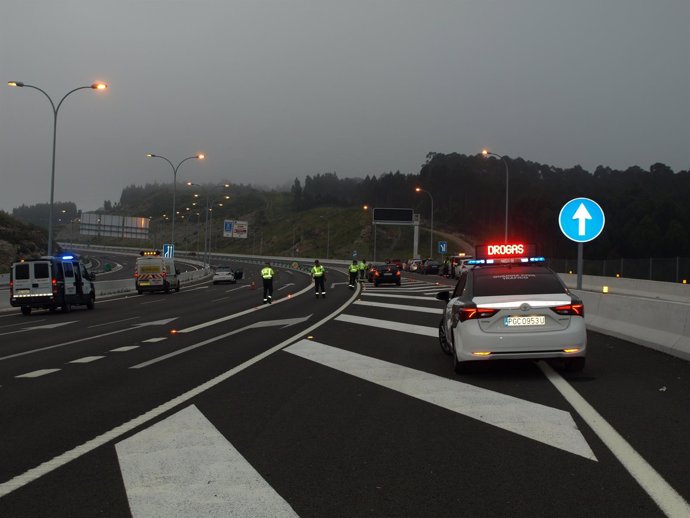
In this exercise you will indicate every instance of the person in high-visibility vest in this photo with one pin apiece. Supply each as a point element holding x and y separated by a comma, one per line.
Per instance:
<point>267,274</point>
<point>352,270</point>
<point>362,269</point>
<point>318,273</point>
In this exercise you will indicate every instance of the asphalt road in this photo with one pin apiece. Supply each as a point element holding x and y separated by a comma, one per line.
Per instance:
<point>208,403</point>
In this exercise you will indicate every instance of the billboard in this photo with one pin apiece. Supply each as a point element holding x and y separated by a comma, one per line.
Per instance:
<point>108,225</point>
<point>393,216</point>
<point>233,228</point>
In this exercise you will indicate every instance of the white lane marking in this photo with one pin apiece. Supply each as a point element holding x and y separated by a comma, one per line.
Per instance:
<point>538,422</point>
<point>35,328</point>
<point>238,288</point>
<point>420,309</point>
<point>393,296</point>
<point>389,325</point>
<point>334,284</point>
<point>267,323</point>
<point>117,331</point>
<point>668,500</point>
<point>87,359</point>
<point>154,340</point>
<point>218,300</point>
<point>124,349</point>
<point>286,285</point>
<point>197,288</point>
<point>21,323</point>
<point>151,302</point>
<point>113,322</point>
<point>241,313</point>
<point>68,456</point>
<point>36,374</point>
<point>183,466</point>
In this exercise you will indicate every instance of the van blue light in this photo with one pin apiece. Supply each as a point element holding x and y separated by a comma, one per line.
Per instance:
<point>67,257</point>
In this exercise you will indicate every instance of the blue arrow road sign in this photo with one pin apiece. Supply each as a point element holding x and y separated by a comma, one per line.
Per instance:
<point>168,250</point>
<point>443,247</point>
<point>581,220</point>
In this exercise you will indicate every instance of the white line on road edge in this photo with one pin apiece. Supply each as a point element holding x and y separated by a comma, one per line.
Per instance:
<point>420,309</point>
<point>542,423</point>
<point>668,500</point>
<point>113,322</point>
<point>68,456</point>
<point>184,466</point>
<point>389,325</point>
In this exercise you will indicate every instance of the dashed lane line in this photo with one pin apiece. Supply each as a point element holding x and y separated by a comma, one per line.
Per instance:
<point>87,359</point>
<point>124,349</point>
<point>154,340</point>
<point>113,322</point>
<point>37,374</point>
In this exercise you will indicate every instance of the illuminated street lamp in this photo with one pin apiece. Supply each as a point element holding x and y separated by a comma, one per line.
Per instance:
<point>431,231</point>
<point>487,153</point>
<point>200,156</point>
<point>19,84</point>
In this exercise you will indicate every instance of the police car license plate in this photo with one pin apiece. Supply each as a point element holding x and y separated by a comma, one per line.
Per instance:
<point>144,283</point>
<point>524,320</point>
<point>23,292</point>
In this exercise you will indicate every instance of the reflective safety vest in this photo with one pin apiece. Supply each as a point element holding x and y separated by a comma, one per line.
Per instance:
<point>267,273</point>
<point>318,271</point>
<point>353,268</point>
<point>362,265</point>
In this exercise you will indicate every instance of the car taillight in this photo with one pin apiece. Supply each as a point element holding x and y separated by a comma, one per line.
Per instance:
<point>475,313</point>
<point>136,275</point>
<point>397,273</point>
<point>55,286</point>
<point>165,274</point>
<point>575,309</point>
<point>377,274</point>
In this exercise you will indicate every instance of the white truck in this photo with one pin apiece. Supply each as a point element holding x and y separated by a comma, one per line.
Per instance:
<point>155,273</point>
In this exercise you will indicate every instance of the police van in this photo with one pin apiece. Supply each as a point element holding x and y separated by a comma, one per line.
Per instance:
<point>51,283</point>
<point>153,272</point>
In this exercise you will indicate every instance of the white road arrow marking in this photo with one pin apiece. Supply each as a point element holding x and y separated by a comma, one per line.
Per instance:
<point>268,323</point>
<point>184,466</point>
<point>34,328</point>
<point>135,326</point>
<point>581,214</point>
<point>538,422</point>
<point>334,284</point>
<point>389,325</point>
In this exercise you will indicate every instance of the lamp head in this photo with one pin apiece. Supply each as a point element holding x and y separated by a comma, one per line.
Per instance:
<point>15,83</point>
<point>200,156</point>
<point>99,86</point>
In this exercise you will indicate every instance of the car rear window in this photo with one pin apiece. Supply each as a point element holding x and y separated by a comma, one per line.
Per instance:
<point>516,281</point>
<point>41,271</point>
<point>67,268</point>
<point>21,272</point>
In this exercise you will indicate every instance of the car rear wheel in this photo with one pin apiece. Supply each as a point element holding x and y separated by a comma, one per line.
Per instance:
<point>91,303</point>
<point>177,289</point>
<point>26,310</point>
<point>458,366</point>
<point>66,307</point>
<point>443,339</point>
<point>166,287</point>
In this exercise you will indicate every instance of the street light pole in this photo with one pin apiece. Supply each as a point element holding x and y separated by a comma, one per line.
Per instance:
<point>431,238</point>
<point>94,86</point>
<point>486,152</point>
<point>175,168</point>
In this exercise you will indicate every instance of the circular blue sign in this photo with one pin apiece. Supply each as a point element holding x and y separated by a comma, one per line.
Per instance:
<point>581,220</point>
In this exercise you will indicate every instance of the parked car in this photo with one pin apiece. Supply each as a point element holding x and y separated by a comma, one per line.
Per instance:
<point>429,267</point>
<point>413,265</point>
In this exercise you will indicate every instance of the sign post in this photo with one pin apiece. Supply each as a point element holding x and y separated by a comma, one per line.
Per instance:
<point>581,220</point>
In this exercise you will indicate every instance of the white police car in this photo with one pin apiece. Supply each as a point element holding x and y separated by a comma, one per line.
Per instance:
<point>510,305</point>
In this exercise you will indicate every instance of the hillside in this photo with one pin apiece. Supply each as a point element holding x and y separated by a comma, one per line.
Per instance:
<point>19,239</point>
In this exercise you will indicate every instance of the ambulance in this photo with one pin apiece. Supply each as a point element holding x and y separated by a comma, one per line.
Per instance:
<point>153,272</point>
<point>51,283</point>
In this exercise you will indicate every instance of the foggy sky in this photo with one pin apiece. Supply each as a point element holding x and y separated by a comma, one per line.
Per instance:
<point>274,90</point>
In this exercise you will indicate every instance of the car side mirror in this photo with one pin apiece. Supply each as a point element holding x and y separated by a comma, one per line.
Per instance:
<point>443,295</point>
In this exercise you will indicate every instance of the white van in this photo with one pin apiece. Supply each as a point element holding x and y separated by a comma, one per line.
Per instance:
<point>155,273</point>
<point>51,283</point>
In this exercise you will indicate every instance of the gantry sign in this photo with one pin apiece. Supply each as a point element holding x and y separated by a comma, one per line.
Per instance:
<point>397,217</point>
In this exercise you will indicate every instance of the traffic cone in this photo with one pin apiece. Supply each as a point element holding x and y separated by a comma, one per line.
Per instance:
<point>252,286</point>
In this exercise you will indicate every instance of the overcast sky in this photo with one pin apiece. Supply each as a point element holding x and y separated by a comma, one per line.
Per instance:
<point>273,90</point>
